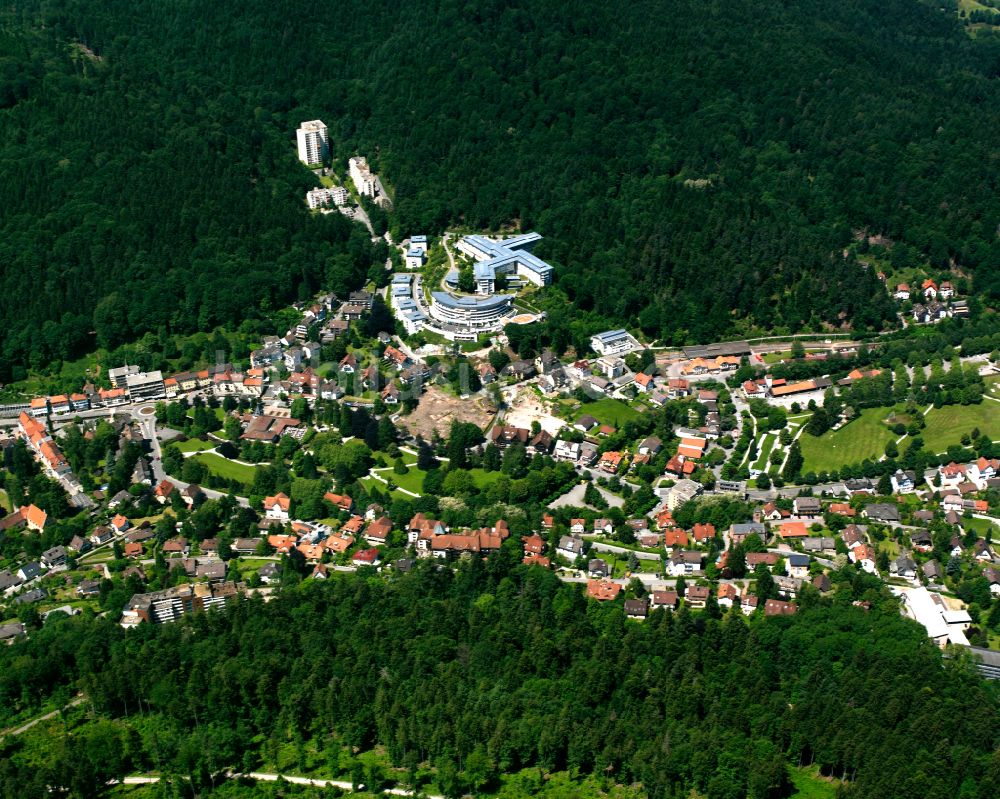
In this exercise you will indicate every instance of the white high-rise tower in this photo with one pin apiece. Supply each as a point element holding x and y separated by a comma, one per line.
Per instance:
<point>313,142</point>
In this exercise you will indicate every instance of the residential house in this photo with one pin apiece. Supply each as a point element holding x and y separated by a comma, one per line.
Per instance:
<point>755,559</point>
<point>884,512</point>
<point>598,568</point>
<point>727,595</point>
<point>610,462</point>
<point>903,482</point>
<point>378,531</point>
<point>697,596</point>
<point>636,608</point>
<point>650,446</point>
<point>904,566</point>
<point>864,555</point>
<point>683,563</point>
<point>664,599</point>
<point>603,590</point>
<point>101,535</point>
<point>703,533</point>
<point>163,492</point>
<point>570,547</point>
<point>797,566</point>
<point>793,530</point>
<point>674,537</point>
<point>807,507</point>
<point>277,507</point>
<point>339,501</point>
<point>778,607</point>
<point>738,532</point>
<point>54,558</point>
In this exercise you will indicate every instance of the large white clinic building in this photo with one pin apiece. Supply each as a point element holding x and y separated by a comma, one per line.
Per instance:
<point>505,257</point>
<point>465,317</point>
<point>313,142</point>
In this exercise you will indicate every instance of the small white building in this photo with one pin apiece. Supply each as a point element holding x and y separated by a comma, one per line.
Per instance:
<point>415,258</point>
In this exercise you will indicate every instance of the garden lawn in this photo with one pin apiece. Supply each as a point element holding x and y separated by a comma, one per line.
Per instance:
<point>862,438</point>
<point>221,467</point>
<point>413,480</point>
<point>947,425</point>
<point>608,411</point>
<point>194,445</point>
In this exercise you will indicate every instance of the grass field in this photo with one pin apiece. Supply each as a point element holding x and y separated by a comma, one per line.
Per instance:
<point>810,785</point>
<point>947,425</point>
<point>194,445</point>
<point>413,480</point>
<point>864,437</point>
<point>608,411</point>
<point>219,414</point>
<point>221,467</point>
<point>4,501</point>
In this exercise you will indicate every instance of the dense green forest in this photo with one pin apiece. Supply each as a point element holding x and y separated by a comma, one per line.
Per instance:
<point>696,168</point>
<point>498,667</point>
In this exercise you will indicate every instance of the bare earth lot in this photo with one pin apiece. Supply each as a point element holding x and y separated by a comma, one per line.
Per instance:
<point>437,408</point>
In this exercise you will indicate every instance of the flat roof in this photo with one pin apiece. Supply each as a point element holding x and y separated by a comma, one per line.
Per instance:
<point>505,253</point>
<point>470,303</point>
<point>611,335</point>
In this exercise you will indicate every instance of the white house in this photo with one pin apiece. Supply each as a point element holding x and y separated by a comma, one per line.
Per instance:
<point>277,507</point>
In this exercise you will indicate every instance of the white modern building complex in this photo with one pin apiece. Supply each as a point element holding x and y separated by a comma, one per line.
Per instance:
<point>465,317</point>
<point>145,386</point>
<point>365,181</point>
<point>319,197</point>
<point>313,142</point>
<point>613,342</point>
<point>506,257</point>
<point>414,258</point>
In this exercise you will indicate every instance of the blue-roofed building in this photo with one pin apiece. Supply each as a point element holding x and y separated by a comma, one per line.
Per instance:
<point>471,314</point>
<point>510,256</point>
<point>613,342</point>
<point>409,313</point>
<point>418,243</point>
<point>415,258</point>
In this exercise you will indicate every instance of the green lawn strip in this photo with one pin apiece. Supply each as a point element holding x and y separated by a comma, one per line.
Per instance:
<point>947,425</point>
<point>767,442</point>
<point>5,501</point>
<point>862,438</point>
<point>221,467</point>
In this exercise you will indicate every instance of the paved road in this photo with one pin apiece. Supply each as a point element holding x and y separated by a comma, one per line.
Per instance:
<point>343,785</point>
<point>27,726</point>
<point>147,424</point>
<point>574,497</point>
<point>600,546</point>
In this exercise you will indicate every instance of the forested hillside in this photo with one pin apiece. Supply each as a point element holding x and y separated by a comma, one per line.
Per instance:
<point>696,167</point>
<point>499,667</point>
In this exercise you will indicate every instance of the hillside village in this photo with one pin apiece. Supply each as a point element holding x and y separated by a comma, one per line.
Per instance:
<point>372,434</point>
